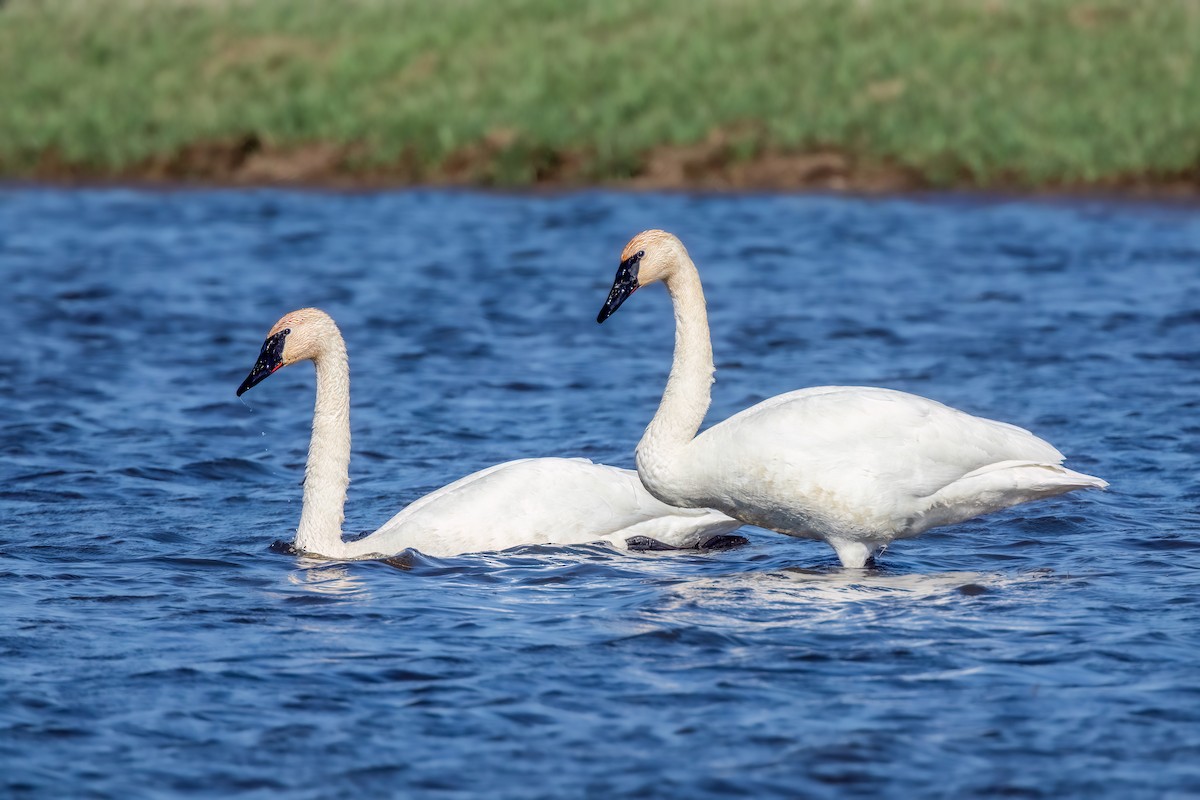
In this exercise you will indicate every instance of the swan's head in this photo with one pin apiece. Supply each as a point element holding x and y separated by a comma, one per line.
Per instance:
<point>649,257</point>
<point>298,336</point>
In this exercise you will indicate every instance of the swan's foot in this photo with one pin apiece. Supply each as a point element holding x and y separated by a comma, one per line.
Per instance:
<point>404,560</point>
<point>724,541</point>
<point>643,544</point>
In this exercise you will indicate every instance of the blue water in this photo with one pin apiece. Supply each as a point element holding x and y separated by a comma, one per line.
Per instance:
<point>154,644</point>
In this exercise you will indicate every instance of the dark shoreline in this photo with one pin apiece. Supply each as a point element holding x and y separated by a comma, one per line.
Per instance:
<point>707,167</point>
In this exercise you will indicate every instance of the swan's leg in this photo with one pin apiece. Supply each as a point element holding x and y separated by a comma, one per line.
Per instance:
<point>872,563</point>
<point>852,554</point>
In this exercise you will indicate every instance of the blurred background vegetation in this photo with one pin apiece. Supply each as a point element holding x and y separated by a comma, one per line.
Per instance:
<point>842,93</point>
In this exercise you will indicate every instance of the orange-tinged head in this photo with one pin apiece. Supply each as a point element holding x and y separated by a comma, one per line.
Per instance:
<point>651,256</point>
<point>297,336</point>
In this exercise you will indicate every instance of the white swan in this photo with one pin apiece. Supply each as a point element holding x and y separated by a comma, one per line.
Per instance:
<point>531,501</point>
<point>854,466</point>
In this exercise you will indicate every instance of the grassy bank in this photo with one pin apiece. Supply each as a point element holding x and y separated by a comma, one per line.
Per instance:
<point>1012,93</point>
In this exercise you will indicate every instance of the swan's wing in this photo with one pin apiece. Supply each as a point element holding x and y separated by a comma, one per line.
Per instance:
<point>858,456</point>
<point>542,501</point>
<point>882,426</point>
<point>427,500</point>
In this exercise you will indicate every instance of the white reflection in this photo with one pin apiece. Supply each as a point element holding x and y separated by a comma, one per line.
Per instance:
<point>323,577</point>
<point>766,598</point>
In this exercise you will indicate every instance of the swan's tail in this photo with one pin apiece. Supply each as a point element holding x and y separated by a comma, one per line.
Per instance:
<point>997,486</point>
<point>1077,480</point>
<point>1031,477</point>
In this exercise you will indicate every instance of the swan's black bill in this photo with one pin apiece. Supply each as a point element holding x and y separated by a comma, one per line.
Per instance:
<point>625,284</point>
<point>270,358</point>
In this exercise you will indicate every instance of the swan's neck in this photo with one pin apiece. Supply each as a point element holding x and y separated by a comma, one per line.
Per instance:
<point>327,474</point>
<point>688,393</point>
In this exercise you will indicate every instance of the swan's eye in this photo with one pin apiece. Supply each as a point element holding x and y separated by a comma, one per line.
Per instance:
<point>640,254</point>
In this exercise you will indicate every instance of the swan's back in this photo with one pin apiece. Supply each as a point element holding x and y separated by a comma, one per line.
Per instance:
<point>879,422</point>
<point>543,501</point>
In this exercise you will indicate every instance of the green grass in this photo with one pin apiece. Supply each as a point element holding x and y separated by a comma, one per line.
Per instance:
<point>978,92</point>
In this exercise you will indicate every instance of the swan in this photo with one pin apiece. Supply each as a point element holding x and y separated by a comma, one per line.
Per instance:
<point>854,466</point>
<point>529,501</point>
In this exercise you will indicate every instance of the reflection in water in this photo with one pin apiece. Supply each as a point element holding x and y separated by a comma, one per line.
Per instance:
<point>327,578</point>
<point>764,598</point>
<point>854,585</point>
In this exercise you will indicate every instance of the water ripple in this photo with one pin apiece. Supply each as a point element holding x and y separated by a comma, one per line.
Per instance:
<point>156,638</point>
